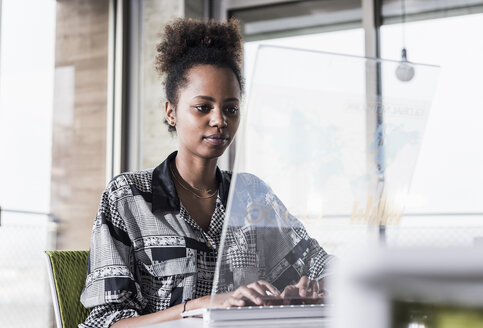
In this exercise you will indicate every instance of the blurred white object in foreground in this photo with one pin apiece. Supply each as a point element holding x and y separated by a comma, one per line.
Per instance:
<point>424,288</point>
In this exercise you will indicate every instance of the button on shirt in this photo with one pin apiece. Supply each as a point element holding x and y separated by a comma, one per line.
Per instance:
<point>148,254</point>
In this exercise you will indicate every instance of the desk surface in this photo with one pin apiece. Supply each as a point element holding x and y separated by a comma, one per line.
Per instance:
<point>278,323</point>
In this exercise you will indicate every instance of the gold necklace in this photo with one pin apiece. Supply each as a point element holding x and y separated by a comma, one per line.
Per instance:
<point>189,189</point>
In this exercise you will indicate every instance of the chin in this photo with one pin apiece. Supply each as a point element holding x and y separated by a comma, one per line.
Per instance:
<point>213,153</point>
<point>216,154</point>
<point>208,150</point>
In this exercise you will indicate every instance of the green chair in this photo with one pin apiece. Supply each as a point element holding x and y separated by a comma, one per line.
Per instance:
<point>67,272</point>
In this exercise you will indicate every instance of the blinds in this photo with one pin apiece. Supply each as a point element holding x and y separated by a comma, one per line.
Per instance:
<point>295,15</point>
<point>282,16</point>
<point>424,9</point>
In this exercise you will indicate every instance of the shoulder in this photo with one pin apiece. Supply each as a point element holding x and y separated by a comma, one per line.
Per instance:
<point>226,175</point>
<point>249,180</point>
<point>243,178</point>
<point>121,189</point>
<point>127,183</point>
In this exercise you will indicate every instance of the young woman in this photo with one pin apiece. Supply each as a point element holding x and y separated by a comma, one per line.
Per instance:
<point>156,236</point>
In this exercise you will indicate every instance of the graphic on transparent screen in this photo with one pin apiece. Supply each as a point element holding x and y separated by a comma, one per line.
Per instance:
<point>324,135</point>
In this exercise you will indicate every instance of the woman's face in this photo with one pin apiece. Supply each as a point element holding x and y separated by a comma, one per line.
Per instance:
<point>207,114</point>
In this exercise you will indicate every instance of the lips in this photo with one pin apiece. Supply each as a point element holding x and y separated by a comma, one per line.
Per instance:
<point>216,139</point>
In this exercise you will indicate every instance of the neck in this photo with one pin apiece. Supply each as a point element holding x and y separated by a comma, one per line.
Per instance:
<point>197,172</point>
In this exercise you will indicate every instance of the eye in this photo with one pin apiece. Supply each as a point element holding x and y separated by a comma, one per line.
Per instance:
<point>232,110</point>
<point>203,108</point>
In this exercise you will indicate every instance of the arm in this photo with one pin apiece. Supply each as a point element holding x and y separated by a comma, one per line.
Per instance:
<point>259,293</point>
<point>315,262</point>
<point>111,289</point>
<point>172,313</point>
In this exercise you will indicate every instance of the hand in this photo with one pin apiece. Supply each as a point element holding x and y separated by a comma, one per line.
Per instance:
<point>256,293</point>
<point>304,292</point>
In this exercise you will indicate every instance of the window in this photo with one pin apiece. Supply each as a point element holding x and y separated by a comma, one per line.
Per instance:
<point>53,115</point>
<point>26,96</point>
<point>449,174</point>
<point>444,205</point>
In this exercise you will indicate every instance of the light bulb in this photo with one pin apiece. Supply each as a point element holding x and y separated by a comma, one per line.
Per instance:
<point>404,71</point>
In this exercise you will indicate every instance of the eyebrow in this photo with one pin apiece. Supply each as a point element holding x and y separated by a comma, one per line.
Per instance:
<point>213,99</point>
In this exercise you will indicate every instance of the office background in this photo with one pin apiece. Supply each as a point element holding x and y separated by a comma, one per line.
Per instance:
<point>80,102</point>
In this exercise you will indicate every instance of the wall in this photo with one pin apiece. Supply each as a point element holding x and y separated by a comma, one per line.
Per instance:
<point>79,118</point>
<point>156,142</point>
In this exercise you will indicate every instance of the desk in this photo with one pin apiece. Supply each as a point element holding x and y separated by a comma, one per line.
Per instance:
<point>275,323</point>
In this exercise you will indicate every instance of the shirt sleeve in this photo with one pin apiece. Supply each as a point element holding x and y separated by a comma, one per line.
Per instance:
<point>112,291</point>
<point>318,262</point>
<point>287,246</point>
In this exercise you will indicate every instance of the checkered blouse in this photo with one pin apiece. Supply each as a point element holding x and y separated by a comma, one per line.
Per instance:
<point>148,254</point>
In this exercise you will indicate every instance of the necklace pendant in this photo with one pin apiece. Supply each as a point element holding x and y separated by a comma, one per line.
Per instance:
<point>189,188</point>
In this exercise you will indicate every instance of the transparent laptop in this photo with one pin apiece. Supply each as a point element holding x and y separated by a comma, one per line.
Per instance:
<point>326,140</point>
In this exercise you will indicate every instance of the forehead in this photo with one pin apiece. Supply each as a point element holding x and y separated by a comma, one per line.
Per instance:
<point>211,80</point>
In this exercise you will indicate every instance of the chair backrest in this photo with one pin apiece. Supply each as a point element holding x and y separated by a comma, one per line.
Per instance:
<point>67,273</point>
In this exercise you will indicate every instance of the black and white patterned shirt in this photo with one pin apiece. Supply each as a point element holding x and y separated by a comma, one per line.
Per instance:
<point>148,254</point>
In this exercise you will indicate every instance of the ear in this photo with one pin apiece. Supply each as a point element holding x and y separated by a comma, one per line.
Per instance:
<point>170,113</point>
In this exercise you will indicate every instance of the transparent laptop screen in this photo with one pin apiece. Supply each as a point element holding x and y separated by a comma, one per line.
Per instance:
<point>324,137</point>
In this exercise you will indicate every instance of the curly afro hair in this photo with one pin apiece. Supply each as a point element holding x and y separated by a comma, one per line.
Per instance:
<point>187,43</point>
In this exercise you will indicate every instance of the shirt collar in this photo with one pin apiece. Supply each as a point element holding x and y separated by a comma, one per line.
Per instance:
<point>165,197</point>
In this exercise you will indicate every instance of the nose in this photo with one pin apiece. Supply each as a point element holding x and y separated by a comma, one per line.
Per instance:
<point>218,118</point>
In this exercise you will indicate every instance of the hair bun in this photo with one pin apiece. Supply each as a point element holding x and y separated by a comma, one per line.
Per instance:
<point>183,36</point>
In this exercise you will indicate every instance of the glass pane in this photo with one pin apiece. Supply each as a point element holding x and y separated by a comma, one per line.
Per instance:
<point>449,174</point>
<point>349,42</point>
<point>27,83</point>
<point>25,295</point>
<point>319,145</point>
<point>436,231</point>
<point>53,104</point>
<point>26,100</point>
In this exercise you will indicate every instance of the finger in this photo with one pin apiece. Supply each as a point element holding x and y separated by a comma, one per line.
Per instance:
<point>321,284</point>
<point>237,302</point>
<point>231,302</point>
<point>313,288</point>
<point>303,281</point>
<point>290,292</point>
<point>249,293</point>
<point>270,287</point>
<point>267,293</point>
<point>302,285</point>
<point>259,288</point>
